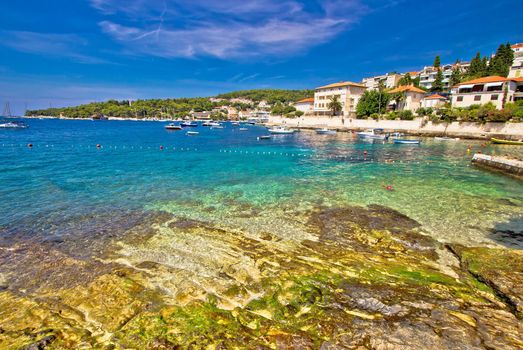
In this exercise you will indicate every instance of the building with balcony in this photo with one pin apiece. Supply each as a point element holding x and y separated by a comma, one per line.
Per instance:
<point>411,100</point>
<point>348,94</point>
<point>428,74</point>
<point>389,80</point>
<point>434,101</point>
<point>495,89</point>
<point>306,105</point>
<point>516,71</point>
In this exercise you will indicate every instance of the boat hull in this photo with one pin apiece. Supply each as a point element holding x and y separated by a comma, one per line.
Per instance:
<point>407,142</point>
<point>506,142</point>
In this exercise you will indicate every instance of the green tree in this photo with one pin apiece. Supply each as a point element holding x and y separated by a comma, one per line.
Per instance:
<point>455,76</point>
<point>335,105</point>
<point>438,82</point>
<point>437,62</point>
<point>398,97</point>
<point>372,102</point>
<point>405,80</point>
<point>502,61</point>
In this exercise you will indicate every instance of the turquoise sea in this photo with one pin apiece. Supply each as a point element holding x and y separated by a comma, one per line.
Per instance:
<point>229,177</point>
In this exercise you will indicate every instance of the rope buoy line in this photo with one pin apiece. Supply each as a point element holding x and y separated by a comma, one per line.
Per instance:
<point>363,158</point>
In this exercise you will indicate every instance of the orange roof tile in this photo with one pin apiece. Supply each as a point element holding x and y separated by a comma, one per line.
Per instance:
<point>340,84</point>
<point>484,80</point>
<point>412,73</point>
<point>515,46</point>
<point>435,97</point>
<point>305,100</point>
<point>410,88</point>
<point>519,80</point>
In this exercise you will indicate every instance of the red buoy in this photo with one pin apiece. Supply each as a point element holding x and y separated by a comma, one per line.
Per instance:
<point>30,145</point>
<point>389,188</point>
<point>161,148</point>
<point>98,145</point>
<point>365,152</point>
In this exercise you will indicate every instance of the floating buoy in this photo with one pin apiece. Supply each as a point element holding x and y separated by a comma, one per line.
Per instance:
<point>98,145</point>
<point>30,145</point>
<point>161,148</point>
<point>389,188</point>
<point>365,153</point>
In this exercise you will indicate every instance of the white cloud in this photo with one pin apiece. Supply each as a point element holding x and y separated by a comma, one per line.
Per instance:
<point>69,46</point>
<point>224,29</point>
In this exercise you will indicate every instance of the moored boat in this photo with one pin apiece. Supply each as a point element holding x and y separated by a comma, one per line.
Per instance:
<point>264,137</point>
<point>371,134</point>
<point>325,131</point>
<point>506,142</point>
<point>173,126</point>
<point>407,142</point>
<point>192,133</point>
<point>189,124</point>
<point>446,138</point>
<point>281,130</point>
<point>13,125</point>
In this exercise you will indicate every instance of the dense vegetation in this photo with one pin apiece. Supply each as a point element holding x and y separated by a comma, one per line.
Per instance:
<point>272,96</point>
<point>179,107</point>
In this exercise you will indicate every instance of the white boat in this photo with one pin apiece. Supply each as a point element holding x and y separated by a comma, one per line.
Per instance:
<point>192,133</point>
<point>243,129</point>
<point>173,126</point>
<point>13,125</point>
<point>325,131</point>
<point>264,137</point>
<point>447,138</point>
<point>406,142</point>
<point>371,134</point>
<point>217,127</point>
<point>281,130</point>
<point>235,124</point>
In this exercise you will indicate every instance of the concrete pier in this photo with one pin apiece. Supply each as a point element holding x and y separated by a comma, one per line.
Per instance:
<point>505,165</point>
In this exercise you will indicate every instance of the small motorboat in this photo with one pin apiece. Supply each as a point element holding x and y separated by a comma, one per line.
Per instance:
<point>219,126</point>
<point>397,134</point>
<point>506,142</point>
<point>446,138</point>
<point>371,134</point>
<point>243,129</point>
<point>192,133</point>
<point>206,124</point>
<point>235,124</point>
<point>325,131</point>
<point>264,137</point>
<point>406,142</point>
<point>13,125</point>
<point>173,126</point>
<point>189,124</point>
<point>281,130</point>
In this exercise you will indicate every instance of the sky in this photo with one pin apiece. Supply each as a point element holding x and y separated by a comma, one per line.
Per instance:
<point>67,52</point>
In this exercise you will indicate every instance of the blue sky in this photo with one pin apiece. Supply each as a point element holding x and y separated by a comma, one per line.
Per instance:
<point>66,52</point>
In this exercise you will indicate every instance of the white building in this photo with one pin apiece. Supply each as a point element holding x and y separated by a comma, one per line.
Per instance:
<point>516,71</point>
<point>428,74</point>
<point>389,80</point>
<point>434,101</point>
<point>495,89</point>
<point>348,94</point>
<point>306,105</point>
<point>411,100</point>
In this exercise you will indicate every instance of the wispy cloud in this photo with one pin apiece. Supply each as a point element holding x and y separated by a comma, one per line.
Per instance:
<point>68,46</point>
<point>224,29</point>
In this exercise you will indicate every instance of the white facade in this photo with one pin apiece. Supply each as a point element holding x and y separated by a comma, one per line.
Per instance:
<point>496,90</point>
<point>428,74</point>
<point>390,80</point>
<point>516,71</point>
<point>306,105</point>
<point>348,94</point>
<point>433,101</point>
<point>411,101</point>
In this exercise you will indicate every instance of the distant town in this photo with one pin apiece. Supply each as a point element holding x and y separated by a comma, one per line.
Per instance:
<point>488,88</point>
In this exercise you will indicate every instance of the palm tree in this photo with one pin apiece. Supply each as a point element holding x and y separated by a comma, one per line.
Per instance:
<point>335,105</point>
<point>398,97</point>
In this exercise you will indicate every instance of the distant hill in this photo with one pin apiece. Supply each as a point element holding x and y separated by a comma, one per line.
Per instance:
<point>177,107</point>
<point>272,96</point>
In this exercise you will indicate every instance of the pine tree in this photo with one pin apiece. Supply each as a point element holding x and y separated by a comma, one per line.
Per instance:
<point>484,67</point>
<point>455,77</point>
<point>475,67</point>
<point>501,62</point>
<point>509,55</point>
<point>437,62</point>
<point>438,83</point>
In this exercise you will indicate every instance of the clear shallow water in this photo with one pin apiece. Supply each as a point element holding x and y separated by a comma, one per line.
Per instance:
<point>229,177</point>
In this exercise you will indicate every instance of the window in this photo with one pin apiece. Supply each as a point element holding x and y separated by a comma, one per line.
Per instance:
<point>493,97</point>
<point>459,99</point>
<point>477,98</point>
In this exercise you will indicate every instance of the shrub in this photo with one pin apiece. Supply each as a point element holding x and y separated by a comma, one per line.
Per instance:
<point>375,116</point>
<point>406,115</point>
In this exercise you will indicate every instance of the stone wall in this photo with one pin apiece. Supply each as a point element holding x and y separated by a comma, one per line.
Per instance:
<point>416,126</point>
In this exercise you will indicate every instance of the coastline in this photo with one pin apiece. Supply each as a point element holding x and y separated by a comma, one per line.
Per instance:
<point>416,127</point>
